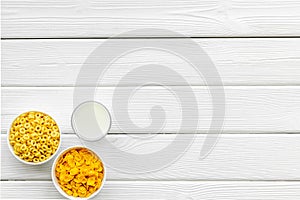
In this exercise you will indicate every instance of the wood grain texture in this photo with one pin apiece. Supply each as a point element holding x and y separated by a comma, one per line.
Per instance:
<point>164,190</point>
<point>238,61</point>
<point>235,157</point>
<point>33,18</point>
<point>248,109</point>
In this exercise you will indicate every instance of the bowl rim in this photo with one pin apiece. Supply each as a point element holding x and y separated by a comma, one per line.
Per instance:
<point>56,184</point>
<point>20,159</point>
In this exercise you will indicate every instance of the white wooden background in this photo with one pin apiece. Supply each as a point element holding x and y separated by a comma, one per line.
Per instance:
<point>255,46</point>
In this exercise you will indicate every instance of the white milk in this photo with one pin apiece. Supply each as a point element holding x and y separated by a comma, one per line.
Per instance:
<point>91,121</point>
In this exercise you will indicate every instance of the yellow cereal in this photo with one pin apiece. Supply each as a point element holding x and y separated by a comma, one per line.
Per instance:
<point>27,125</point>
<point>11,137</point>
<point>74,170</point>
<point>91,181</point>
<point>69,192</point>
<point>22,130</point>
<point>27,139</point>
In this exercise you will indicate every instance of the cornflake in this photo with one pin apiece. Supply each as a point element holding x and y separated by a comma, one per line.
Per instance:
<point>79,172</point>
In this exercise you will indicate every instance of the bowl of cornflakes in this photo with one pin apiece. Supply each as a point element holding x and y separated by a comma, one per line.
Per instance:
<point>78,173</point>
<point>34,138</point>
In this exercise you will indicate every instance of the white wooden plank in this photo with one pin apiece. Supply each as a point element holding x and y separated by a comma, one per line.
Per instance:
<point>235,157</point>
<point>33,18</point>
<point>239,62</point>
<point>164,190</point>
<point>248,109</point>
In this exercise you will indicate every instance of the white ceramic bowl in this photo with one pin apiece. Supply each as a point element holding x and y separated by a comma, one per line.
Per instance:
<point>56,184</point>
<point>23,161</point>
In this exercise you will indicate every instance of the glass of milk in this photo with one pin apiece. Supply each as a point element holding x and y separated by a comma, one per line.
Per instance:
<point>91,121</point>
